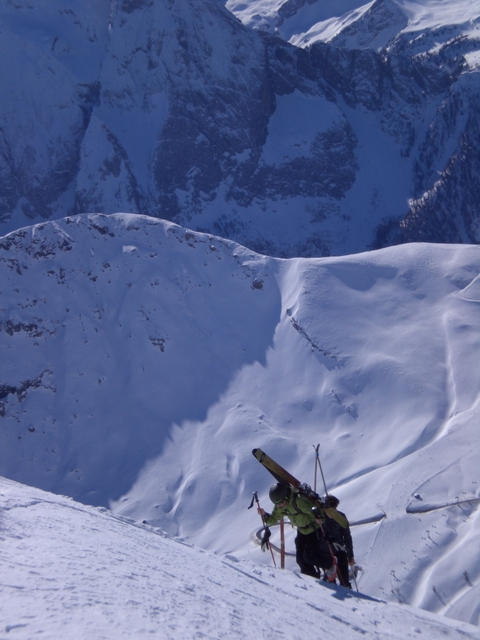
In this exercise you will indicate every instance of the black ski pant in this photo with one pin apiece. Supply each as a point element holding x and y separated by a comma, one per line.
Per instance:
<point>342,562</point>
<point>312,551</point>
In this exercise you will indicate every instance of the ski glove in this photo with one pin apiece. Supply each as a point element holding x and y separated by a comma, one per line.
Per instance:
<point>264,544</point>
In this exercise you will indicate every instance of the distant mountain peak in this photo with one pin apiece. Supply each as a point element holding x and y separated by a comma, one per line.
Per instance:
<point>375,28</point>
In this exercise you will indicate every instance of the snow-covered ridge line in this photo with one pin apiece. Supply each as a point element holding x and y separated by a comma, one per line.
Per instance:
<point>142,361</point>
<point>87,574</point>
<point>376,23</point>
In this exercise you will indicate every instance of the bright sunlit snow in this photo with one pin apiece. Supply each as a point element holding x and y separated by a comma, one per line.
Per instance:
<point>322,20</point>
<point>141,364</point>
<point>70,571</point>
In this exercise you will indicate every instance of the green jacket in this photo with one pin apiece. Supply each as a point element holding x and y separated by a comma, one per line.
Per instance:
<point>299,511</point>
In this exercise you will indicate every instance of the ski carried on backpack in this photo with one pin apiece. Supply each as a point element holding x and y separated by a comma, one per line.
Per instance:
<point>284,477</point>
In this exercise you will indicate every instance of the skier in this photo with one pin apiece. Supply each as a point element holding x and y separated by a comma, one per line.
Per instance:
<point>312,550</point>
<point>340,539</point>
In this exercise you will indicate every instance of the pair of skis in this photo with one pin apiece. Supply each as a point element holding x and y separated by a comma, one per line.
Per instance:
<point>284,477</point>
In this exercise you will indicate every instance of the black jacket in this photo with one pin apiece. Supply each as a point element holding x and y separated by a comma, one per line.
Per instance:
<point>334,533</point>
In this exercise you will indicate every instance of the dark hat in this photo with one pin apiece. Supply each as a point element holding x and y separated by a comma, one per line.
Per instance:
<point>278,492</point>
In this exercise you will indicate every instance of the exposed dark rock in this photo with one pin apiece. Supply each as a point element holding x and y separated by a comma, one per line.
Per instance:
<point>174,115</point>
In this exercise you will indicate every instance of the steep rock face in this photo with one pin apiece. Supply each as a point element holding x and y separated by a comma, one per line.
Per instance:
<point>192,82</point>
<point>290,8</point>
<point>444,204</point>
<point>53,55</point>
<point>223,120</point>
<point>448,210</point>
<point>415,72</point>
<point>375,28</point>
<point>179,111</point>
<point>186,115</point>
<point>309,147</point>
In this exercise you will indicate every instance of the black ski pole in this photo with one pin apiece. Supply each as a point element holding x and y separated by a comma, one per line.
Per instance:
<point>267,532</point>
<point>317,461</point>
<point>334,559</point>
<point>338,573</point>
<point>282,543</point>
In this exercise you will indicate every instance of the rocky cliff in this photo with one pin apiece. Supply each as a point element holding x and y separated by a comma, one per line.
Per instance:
<point>365,135</point>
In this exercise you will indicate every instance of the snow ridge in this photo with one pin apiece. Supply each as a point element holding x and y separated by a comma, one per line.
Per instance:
<point>142,362</point>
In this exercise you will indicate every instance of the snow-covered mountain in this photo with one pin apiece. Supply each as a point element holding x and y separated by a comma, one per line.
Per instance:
<point>142,362</point>
<point>360,132</point>
<point>358,24</point>
<point>70,571</point>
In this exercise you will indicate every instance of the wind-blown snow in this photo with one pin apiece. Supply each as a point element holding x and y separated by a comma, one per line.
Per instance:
<point>70,571</point>
<point>142,362</point>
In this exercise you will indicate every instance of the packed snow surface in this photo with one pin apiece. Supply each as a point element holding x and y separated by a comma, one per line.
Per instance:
<point>70,571</point>
<point>142,362</point>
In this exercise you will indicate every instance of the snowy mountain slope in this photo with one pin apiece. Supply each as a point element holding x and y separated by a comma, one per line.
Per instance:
<point>72,571</point>
<point>359,24</point>
<point>120,286</point>
<point>180,111</point>
<point>143,362</point>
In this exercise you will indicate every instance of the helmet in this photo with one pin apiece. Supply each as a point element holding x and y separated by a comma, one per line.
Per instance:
<point>332,501</point>
<point>278,492</point>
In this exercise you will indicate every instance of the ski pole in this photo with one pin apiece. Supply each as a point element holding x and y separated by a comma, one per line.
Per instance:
<point>268,533</point>
<point>282,543</point>
<point>334,558</point>
<point>353,574</point>
<point>317,461</point>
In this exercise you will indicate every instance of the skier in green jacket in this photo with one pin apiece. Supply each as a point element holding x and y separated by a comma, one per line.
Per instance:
<point>312,549</point>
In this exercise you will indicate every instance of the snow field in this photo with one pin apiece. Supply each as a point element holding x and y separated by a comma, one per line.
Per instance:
<point>72,571</point>
<point>143,362</point>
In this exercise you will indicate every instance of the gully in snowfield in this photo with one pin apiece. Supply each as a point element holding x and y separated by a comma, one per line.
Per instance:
<point>312,550</point>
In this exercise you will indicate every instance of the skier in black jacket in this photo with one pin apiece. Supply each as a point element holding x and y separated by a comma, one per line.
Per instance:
<point>341,541</point>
